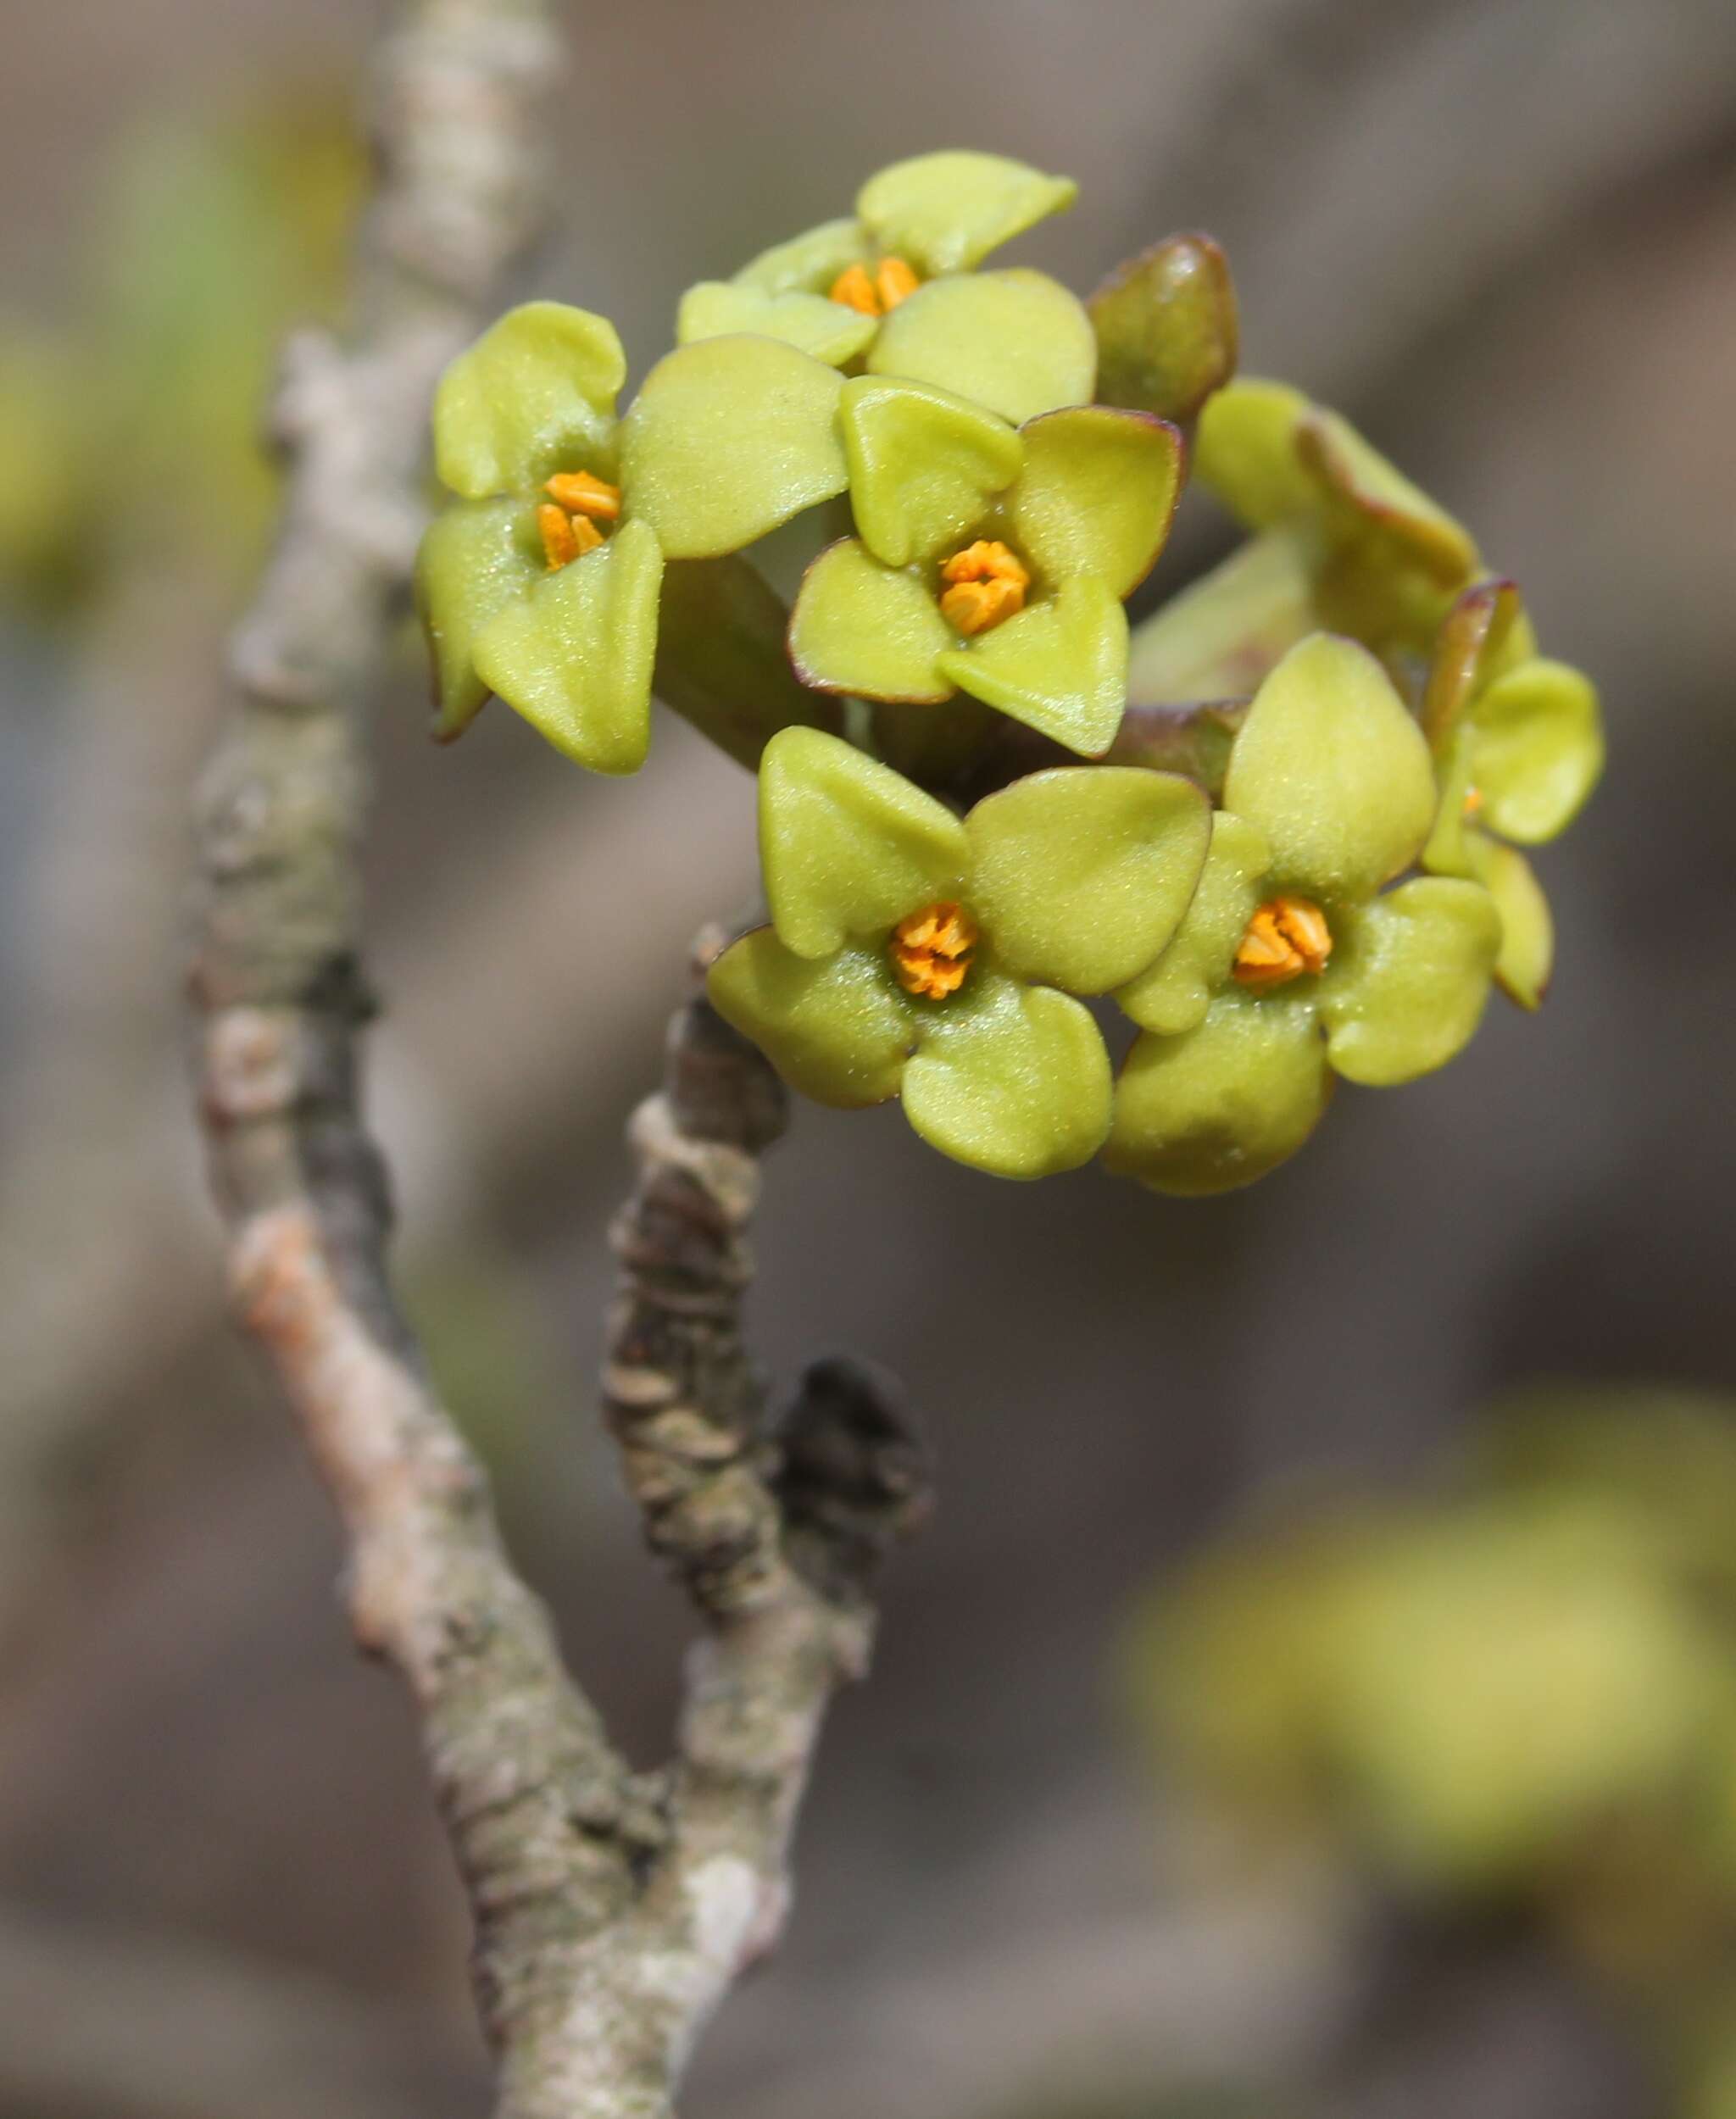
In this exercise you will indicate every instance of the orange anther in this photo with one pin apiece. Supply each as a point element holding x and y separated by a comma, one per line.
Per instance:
<point>931,949</point>
<point>973,607</point>
<point>894,282</point>
<point>1286,937</point>
<point>987,559</point>
<point>988,582</point>
<point>1474,801</point>
<point>855,290</point>
<point>580,494</point>
<point>565,537</point>
<point>560,543</point>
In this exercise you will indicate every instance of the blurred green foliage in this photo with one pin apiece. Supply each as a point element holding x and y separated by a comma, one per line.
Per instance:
<point>1517,1690</point>
<point>131,425</point>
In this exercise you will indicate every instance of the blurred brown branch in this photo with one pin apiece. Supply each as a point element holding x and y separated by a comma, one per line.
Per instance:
<point>612,1914</point>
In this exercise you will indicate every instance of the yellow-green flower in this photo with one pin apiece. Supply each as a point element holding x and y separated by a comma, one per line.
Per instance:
<point>1342,541</point>
<point>988,559</point>
<point>540,580</point>
<point>1291,966</point>
<point>828,289</point>
<point>1518,740</point>
<point>1385,561</point>
<point>914,953</point>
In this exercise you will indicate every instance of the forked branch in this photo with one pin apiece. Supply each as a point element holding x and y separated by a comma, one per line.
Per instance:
<point>612,1910</point>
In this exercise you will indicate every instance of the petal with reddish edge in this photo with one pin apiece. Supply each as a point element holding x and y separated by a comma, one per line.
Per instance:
<point>1097,495</point>
<point>1061,666</point>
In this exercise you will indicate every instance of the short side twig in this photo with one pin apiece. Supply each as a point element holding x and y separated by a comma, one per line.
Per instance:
<point>612,1911</point>
<point>776,1532</point>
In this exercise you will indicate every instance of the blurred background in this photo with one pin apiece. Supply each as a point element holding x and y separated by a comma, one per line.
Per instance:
<point>1317,1693</point>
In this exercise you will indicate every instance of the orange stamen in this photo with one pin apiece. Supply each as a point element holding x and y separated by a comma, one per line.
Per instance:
<point>894,282</point>
<point>931,949</point>
<point>973,607</point>
<point>891,282</point>
<point>855,290</point>
<point>580,494</point>
<point>988,584</point>
<point>560,543</point>
<point>1286,937</point>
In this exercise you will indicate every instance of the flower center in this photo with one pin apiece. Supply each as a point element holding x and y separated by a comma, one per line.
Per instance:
<point>986,582</point>
<point>568,520</point>
<point>931,949</point>
<point>1474,801</point>
<point>1286,937</point>
<point>891,282</point>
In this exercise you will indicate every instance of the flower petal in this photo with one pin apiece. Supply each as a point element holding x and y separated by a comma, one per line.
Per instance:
<point>1016,341</point>
<point>1166,328</point>
<point>1098,494</point>
<point>924,465</point>
<point>1059,667</point>
<point>477,556</point>
<point>1407,988</point>
<point>1174,995</point>
<point>715,309</point>
<point>870,630</point>
<point>727,439</point>
<point>1010,1079</point>
<point>807,264</point>
<point>535,394</point>
<point>1225,1103</point>
<point>574,656</point>
<point>848,846</point>
<point>1226,632</point>
<point>1355,479</point>
<point>1475,644</point>
<point>1333,770</point>
<point>837,1030</point>
<point>1537,749</point>
<point>944,212</point>
<point>1081,874</point>
<point>1244,451</point>
<point>1527,929</point>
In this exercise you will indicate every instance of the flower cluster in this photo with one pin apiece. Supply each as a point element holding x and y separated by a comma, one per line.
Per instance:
<point>967,833</point>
